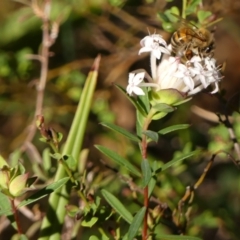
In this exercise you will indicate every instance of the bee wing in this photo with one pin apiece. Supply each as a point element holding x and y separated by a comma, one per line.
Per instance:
<point>192,29</point>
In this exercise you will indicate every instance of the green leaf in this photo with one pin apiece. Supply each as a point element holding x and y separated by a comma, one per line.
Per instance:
<point>163,107</point>
<point>163,17</point>
<point>173,128</point>
<point>147,173</point>
<point>191,8</point>
<point>143,100</point>
<point>44,192</point>
<point>152,135</point>
<point>121,131</point>
<point>176,237</point>
<point>23,237</point>
<point>139,123</point>
<point>14,157</point>
<point>117,205</point>
<point>168,27</point>
<point>89,223</point>
<point>70,161</point>
<point>175,10</point>
<point>151,185</point>
<point>202,15</point>
<point>170,163</point>
<point>118,159</point>
<point>5,206</point>
<point>93,237</point>
<point>181,102</point>
<point>136,223</point>
<point>47,164</point>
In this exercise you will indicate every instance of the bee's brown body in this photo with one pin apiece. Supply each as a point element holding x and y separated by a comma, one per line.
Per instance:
<point>187,42</point>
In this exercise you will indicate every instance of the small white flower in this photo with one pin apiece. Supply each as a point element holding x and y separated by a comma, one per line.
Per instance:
<point>134,81</point>
<point>186,74</point>
<point>210,63</point>
<point>201,74</point>
<point>190,78</point>
<point>155,44</point>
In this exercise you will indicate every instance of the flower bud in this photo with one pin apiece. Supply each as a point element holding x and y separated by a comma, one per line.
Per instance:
<point>168,96</point>
<point>18,185</point>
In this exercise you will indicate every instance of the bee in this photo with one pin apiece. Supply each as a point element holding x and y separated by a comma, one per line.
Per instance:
<point>189,41</point>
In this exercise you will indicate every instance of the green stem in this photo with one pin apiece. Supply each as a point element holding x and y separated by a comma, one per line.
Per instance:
<point>70,174</point>
<point>184,6</point>
<point>144,157</point>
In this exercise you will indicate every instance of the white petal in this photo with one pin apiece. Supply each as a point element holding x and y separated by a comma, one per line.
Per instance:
<point>157,53</point>
<point>203,80</point>
<point>216,88</point>
<point>144,49</point>
<point>129,90</point>
<point>138,91</point>
<point>195,90</point>
<point>138,78</point>
<point>130,78</point>
<point>189,82</point>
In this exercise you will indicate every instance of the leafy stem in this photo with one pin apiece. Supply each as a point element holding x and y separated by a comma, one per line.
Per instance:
<point>146,124</point>
<point>184,5</point>
<point>70,174</point>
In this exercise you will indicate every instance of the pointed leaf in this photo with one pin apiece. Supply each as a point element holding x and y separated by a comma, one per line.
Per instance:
<point>44,192</point>
<point>202,15</point>
<point>121,131</point>
<point>47,163</point>
<point>170,163</point>
<point>117,205</point>
<point>118,159</point>
<point>147,173</point>
<point>176,237</point>
<point>143,100</point>
<point>181,102</point>
<point>134,101</point>
<point>151,185</point>
<point>163,107</point>
<point>5,206</point>
<point>70,161</point>
<point>90,222</point>
<point>139,123</point>
<point>152,135</point>
<point>136,223</point>
<point>173,128</point>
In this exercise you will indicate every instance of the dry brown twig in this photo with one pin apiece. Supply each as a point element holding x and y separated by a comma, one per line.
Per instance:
<point>181,219</point>
<point>49,35</point>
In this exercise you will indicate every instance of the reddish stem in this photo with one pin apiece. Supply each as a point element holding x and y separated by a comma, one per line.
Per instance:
<point>16,216</point>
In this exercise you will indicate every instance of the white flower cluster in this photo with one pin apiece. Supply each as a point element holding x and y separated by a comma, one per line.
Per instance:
<point>189,78</point>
